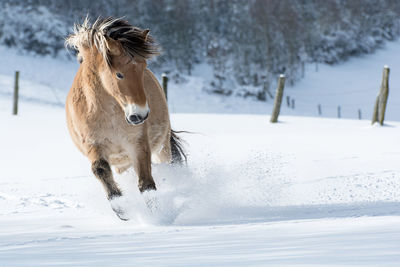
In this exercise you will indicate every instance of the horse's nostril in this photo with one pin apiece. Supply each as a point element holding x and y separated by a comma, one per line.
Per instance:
<point>135,118</point>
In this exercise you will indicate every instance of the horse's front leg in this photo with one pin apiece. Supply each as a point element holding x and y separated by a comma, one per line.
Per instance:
<point>142,164</point>
<point>101,169</point>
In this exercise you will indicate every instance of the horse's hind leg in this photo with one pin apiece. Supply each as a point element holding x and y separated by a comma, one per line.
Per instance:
<point>101,169</point>
<point>163,154</point>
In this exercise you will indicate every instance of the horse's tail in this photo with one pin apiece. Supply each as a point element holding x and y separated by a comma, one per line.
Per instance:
<point>177,150</point>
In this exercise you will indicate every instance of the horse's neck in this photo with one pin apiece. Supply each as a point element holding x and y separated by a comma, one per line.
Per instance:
<point>97,98</point>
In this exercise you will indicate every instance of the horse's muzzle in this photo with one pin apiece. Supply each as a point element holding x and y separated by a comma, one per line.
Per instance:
<point>135,114</point>
<point>136,119</point>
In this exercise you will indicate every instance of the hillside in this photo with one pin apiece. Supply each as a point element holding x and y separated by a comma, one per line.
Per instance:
<point>352,85</point>
<point>245,43</point>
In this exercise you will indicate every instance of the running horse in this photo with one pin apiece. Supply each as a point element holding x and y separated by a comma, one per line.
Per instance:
<point>108,105</point>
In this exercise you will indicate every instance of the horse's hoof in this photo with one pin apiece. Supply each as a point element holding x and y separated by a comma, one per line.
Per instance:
<point>147,186</point>
<point>121,214</point>
<point>117,204</point>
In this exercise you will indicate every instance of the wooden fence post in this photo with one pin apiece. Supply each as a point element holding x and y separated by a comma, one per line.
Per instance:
<point>378,114</point>
<point>278,99</point>
<point>165,85</point>
<point>319,109</point>
<point>339,113</point>
<point>375,113</point>
<point>16,88</point>
<point>384,94</point>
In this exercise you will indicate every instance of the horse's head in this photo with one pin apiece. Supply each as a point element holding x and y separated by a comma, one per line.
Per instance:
<point>123,79</point>
<point>117,52</point>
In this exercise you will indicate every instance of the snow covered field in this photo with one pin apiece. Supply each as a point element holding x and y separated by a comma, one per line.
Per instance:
<point>303,191</point>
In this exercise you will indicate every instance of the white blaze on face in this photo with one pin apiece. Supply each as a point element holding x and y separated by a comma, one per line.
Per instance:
<point>136,112</point>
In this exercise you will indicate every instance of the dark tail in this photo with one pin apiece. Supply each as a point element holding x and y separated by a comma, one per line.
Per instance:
<point>177,151</point>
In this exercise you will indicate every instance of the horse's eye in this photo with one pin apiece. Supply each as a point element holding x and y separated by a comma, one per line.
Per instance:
<point>119,76</point>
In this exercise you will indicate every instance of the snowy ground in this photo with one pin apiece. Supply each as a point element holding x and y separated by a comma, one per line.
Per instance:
<point>303,191</point>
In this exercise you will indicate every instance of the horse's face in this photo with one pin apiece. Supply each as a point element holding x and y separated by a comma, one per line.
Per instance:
<point>124,80</point>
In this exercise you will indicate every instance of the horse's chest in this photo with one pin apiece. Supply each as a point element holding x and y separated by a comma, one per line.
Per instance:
<point>118,139</point>
<point>115,131</point>
<point>112,129</point>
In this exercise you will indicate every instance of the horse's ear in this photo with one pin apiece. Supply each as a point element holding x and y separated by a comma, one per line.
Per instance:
<point>113,46</point>
<point>145,33</point>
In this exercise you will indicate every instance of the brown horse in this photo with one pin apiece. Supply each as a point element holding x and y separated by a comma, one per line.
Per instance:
<point>108,106</point>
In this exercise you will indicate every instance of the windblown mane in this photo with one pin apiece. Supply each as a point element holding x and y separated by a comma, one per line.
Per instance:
<point>131,38</point>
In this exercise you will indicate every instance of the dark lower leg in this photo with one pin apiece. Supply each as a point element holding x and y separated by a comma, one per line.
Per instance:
<point>142,167</point>
<point>101,169</point>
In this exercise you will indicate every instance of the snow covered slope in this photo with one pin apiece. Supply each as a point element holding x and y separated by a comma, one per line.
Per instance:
<point>303,191</point>
<point>353,85</point>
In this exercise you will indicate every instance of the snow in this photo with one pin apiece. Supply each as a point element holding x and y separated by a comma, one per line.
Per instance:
<point>302,191</point>
<point>352,85</point>
<point>49,85</point>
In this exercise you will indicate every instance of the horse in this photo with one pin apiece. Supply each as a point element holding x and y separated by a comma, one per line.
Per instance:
<point>109,103</point>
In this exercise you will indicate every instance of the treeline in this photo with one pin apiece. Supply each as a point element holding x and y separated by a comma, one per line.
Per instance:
<point>247,43</point>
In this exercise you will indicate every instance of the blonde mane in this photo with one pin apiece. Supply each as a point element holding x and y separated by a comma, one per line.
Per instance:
<point>132,39</point>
